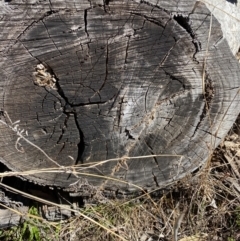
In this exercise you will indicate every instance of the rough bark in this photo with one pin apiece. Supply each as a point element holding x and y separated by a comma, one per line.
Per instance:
<point>95,80</point>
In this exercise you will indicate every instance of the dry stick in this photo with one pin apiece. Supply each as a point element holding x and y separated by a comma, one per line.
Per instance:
<point>63,207</point>
<point>26,173</point>
<point>87,174</point>
<point>177,225</point>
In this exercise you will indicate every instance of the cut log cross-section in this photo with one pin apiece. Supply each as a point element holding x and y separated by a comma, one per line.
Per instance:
<point>152,85</point>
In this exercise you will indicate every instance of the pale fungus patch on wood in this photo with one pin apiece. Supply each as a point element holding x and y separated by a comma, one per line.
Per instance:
<point>43,78</point>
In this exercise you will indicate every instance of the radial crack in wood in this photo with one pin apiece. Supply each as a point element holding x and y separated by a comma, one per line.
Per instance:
<point>91,81</point>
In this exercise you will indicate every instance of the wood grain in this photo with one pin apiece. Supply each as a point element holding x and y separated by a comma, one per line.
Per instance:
<point>129,82</point>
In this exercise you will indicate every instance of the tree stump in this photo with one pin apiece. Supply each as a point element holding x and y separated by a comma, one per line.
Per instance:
<point>133,93</point>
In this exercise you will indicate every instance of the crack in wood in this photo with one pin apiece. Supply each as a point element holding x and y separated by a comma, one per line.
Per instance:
<point>63,128</point>
<point>81,144</point>
<point>106,6</point>
<point>156,162</point>
<point>184,22</point>
<point>150,19</point>
<point>126,52</point>
<point>85,21</point>
<point>172,77</point>
<point>106,69</point>
<point>120,110</point>
<point>207,98</point>
<point>68,109</point>
<point>146,99</point>
<point>128,134</point>
<point>155,179</point>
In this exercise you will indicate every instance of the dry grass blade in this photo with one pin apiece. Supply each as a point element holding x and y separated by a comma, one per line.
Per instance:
<point>176,227</point>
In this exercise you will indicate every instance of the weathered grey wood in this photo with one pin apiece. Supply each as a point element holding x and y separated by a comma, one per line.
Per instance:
<point>228,14</point>
<point>122,79</point>
<point>11,218</point>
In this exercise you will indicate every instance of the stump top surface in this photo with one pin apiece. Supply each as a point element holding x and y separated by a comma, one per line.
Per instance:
<point>139,92</point>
